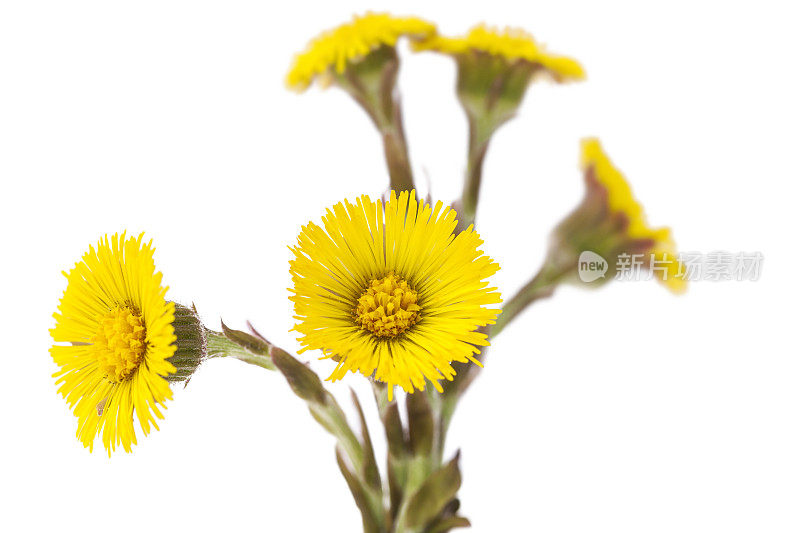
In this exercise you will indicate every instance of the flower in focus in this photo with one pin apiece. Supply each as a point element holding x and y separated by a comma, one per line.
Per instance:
<point>119,337</point>
<point>360,57</point>
<point>388,290</point>
<point>611,223</point>
<point>495,68</point>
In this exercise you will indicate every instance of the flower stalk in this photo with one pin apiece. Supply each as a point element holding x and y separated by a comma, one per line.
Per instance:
<point>373,84</point>
<point>490,92</point>
<point>542,285</point>
<point>480,133</point>
<point>221,345</point>
<point>495,68</point>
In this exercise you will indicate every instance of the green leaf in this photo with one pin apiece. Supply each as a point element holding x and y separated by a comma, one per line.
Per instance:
<point>370,473</point>
<point>397,458</point>
<point>446,524</point>
<point>435,493</point>
<point>303,381</point>
<point>390,416</point>
<point>245,340</point>
<point>395,434</point>
<point>359,494</point>
<point>395,477</point>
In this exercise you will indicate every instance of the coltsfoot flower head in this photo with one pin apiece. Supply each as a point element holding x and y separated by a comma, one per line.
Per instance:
<point>511,45</point>
<point>360,58</point>
<point>611,223</point>
<point>335,51</point>
<point>117,347</point>
<point>496,65</point>
<point>388,290</point>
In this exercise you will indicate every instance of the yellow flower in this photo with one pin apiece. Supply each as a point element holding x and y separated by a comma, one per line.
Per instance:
<point>389,291</point>
<point>350,43</point>
<point>608,223</point>
<point>599,169</point>
<point>120,329</point>
<point>511,44</point>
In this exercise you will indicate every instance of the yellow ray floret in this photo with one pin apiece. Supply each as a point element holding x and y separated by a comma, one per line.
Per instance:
<point>388,290</point>
<point>621,200</point>
<point>115,334</point>
<point>351,42</point>
<point>512,44</point>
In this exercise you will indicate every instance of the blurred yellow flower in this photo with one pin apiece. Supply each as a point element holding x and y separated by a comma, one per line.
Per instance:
<point>350,43</point>
<point>389,291</point>
<point>511,44</point>
<point>120,332</point>
<point>599,169</point>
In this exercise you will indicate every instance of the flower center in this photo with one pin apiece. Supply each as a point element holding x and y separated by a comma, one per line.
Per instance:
<point>119,344</point>
<point>388,307</point>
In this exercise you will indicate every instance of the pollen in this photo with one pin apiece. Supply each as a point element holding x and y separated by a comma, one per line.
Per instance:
<point>119,344</point>
<point>388,307</point>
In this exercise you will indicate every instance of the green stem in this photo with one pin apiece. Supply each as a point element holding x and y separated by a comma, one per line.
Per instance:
<point>541,286</point>
<point>385,111</point>
<point>220,346</point>
<point>397,454</point>
<point>442,415</point>
<point>376,92</point>
<point>396,152</point>
<point>481,130</point>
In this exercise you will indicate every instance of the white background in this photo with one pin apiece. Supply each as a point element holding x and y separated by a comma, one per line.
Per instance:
<point>623,410</point>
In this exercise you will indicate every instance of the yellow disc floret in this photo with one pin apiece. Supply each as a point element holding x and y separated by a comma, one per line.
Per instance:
<point>119,344</point>
<point>388,307</point>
